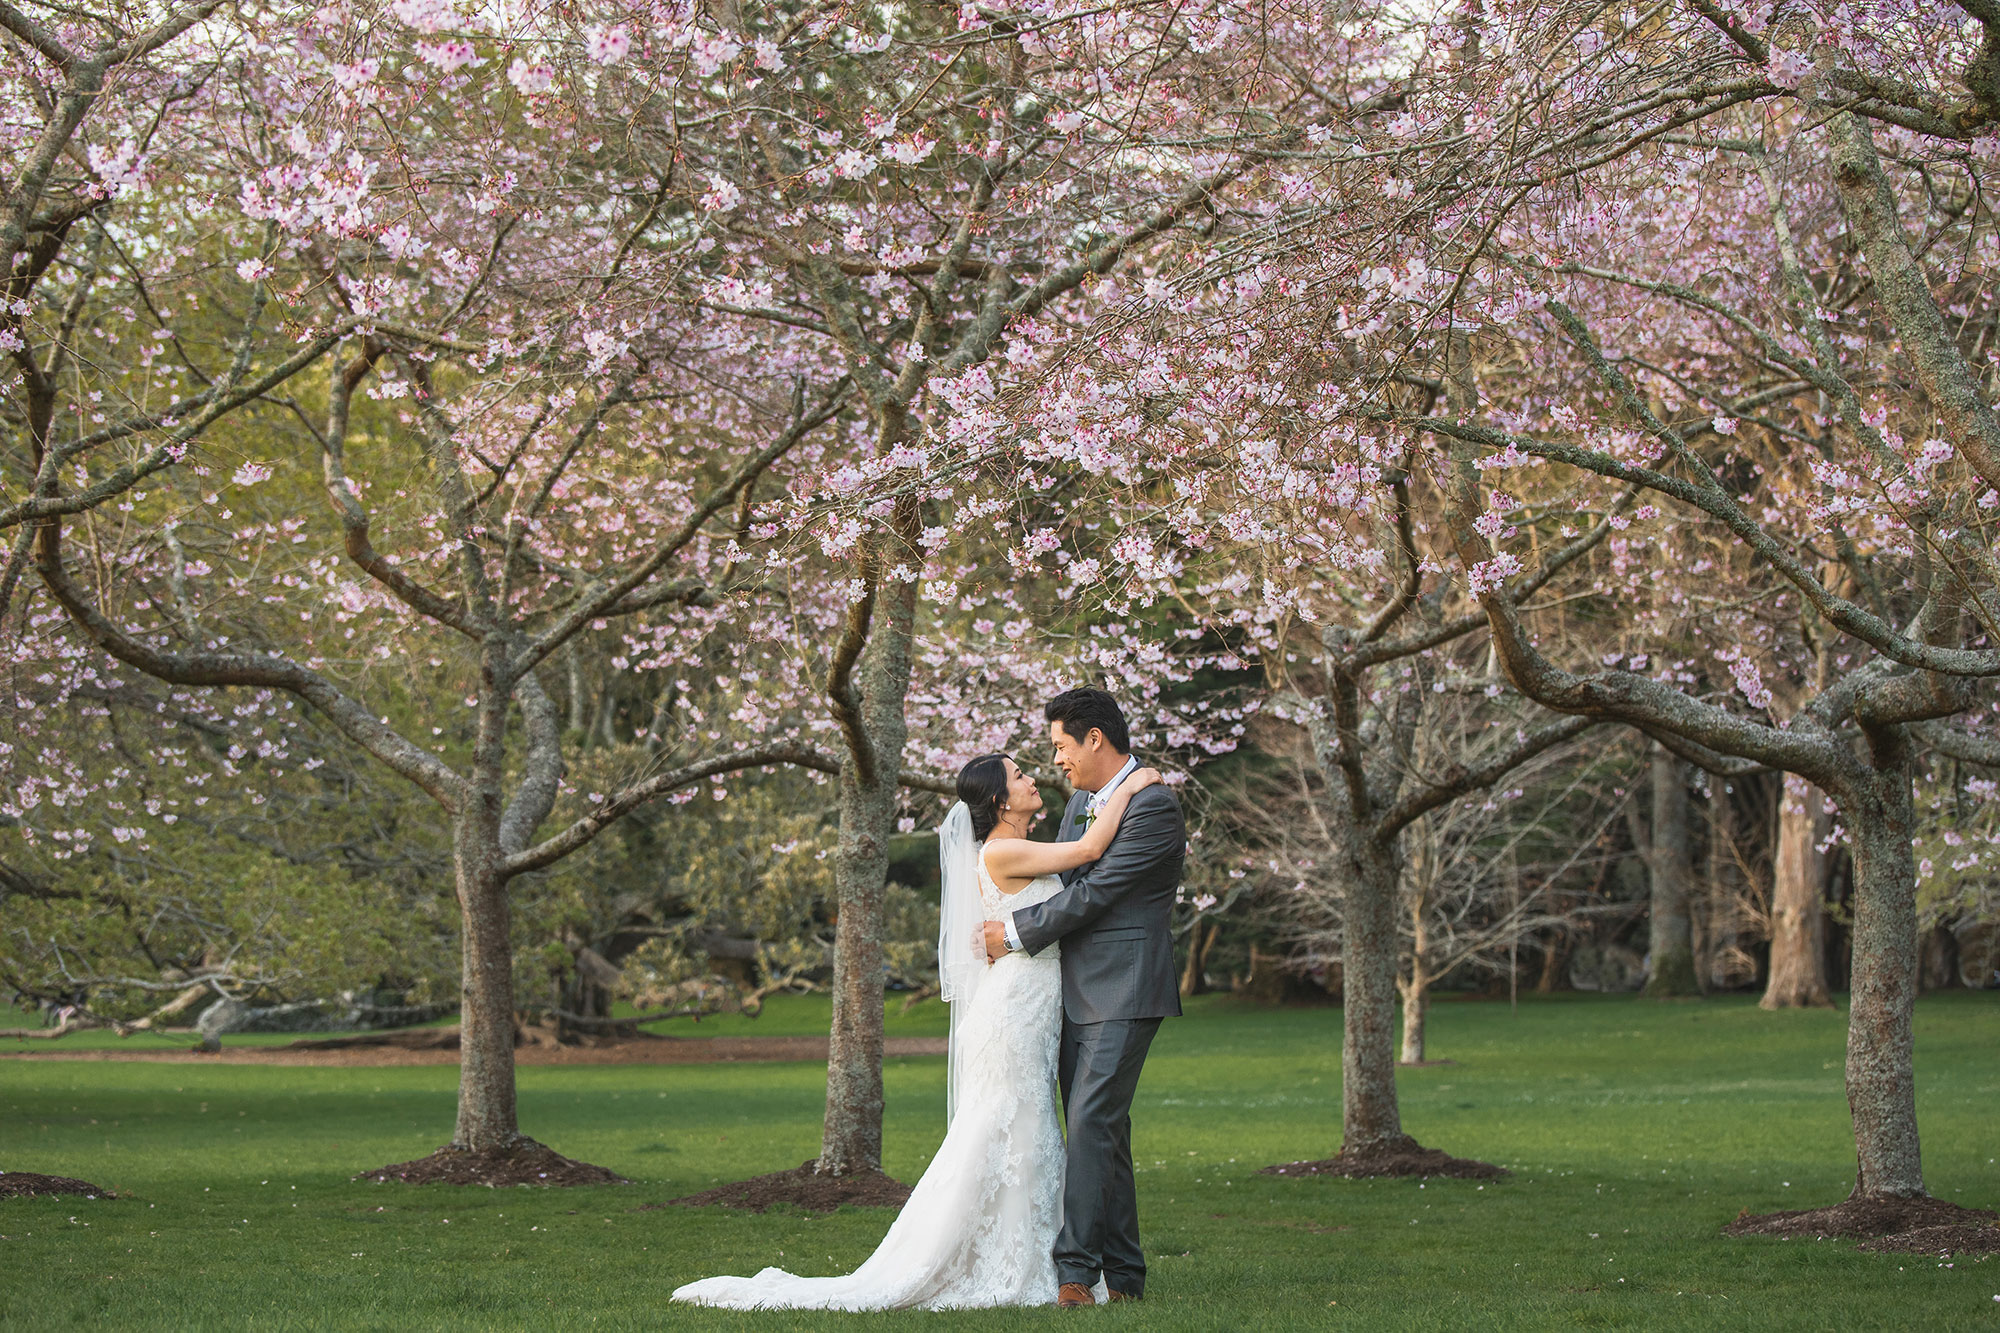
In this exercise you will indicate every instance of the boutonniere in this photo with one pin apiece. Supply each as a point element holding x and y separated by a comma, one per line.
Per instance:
<point>1089,816</point>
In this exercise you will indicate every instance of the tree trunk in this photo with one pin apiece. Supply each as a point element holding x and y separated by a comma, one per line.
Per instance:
<point>1798,891</point>
<point>1672,874</point>
<point>1193,980</point>
<point>1881,1080</point>
<point>851,1140</point>
<point>852,1137</point>
<point>573,671</point>
<point>486,1115</point>
<point>1416,991</point>
<point>1840,903</point>
<point>1555,964</point>
<point>1716,943</point>
<point>1368,1110</point>
<point>1416,1007</point>
<point>1940,959</point>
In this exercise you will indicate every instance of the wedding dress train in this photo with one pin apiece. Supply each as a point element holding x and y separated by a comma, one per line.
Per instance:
<point>979,1226</point>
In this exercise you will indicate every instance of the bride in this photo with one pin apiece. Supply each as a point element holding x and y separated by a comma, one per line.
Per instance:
<point>979,1225</point>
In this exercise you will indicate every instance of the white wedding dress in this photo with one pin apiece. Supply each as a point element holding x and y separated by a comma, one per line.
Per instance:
<point>978,1227</point>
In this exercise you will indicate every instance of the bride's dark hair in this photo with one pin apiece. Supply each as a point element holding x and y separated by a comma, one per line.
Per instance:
<point>982,785</point>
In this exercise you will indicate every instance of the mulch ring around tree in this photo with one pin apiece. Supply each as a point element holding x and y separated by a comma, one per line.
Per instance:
<point>803,1188</point>
<point>523,1162</point>
<point>1404,1157</point>
<point>1965,1238</point>
<point>1890,1226</point>
<point>23,1184</point>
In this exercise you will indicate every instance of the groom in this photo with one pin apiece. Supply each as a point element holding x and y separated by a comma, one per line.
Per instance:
<point>1118,983</point>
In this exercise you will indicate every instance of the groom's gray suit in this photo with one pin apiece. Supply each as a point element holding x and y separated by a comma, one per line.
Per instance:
<point>1112,918</point>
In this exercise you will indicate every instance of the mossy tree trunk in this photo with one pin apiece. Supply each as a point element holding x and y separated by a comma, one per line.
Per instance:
<point>868,686</point>
<point>1880,817</point>
<point>1369,1114</point>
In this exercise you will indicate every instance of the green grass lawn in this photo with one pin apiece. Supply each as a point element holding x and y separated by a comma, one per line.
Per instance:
<point>1635,1130</point>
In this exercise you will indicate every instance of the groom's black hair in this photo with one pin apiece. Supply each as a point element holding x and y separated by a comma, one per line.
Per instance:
<point>982,785</point>
<point>1081,709</point>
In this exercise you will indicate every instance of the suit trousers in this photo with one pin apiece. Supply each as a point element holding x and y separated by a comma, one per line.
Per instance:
<point>1099,1069</point>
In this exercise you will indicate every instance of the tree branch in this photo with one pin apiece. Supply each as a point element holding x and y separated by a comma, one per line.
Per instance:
<point>35,35</point>
<point>1732,28</point>
<point>354,519</point>
<point>357,723</point>
<point>794,753</point>
<point>1904,291</point>
<point>1621,696</point>
<point>841,694</point>
<point>541,779</point>
<point>1461,778</point>
<point>598,601</point>
<point>164,455</point>
<point>1412,582</point>
<point>1960,745</point>
<point>1855,620</point>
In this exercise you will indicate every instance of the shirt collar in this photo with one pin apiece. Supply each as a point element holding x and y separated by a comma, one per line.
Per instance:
<point>1103,794</point>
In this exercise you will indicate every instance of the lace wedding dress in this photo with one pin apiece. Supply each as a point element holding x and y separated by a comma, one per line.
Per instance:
<point>978,1227</point>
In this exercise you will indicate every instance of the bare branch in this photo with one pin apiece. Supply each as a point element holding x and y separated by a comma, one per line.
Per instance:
<point>1959,744</point>
<point>456,494</point>
<point>1732,27</point>
<point>208,409</point>
<point>1716,502</point>
<point>1805,748</point>
<point>35,35</point>
<point>1518,593</point>
<point>354,518</point>
<point>1461,778</point>
<point>1721,765</point>
<point>1412,582</point>
<point>796,754</point>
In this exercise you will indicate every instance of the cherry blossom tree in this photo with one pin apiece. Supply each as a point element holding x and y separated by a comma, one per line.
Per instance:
<point>1351,621</point>
<point>130,343</point>
<point>917,195</point>
<point>561,410</point>
<point>533,524</point>
<point>1377,689</point>
<point>105,386</point>
<point>1480,874</point>
<point>1054,107</point>
<point>1646,268</point>
<point>1552,291</point>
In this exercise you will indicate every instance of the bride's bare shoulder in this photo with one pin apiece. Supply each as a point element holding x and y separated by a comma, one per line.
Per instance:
<point>1003,844</point>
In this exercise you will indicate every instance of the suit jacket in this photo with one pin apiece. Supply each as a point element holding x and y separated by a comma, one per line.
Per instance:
<point>1113,917</point>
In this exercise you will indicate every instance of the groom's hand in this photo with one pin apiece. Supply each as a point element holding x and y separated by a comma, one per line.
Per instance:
<point>996,941</point>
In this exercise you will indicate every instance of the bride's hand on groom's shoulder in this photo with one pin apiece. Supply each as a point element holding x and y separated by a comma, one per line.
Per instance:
<point>1146,777</point>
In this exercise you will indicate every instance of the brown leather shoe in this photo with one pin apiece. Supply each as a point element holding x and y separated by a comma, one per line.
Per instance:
<point>1072,1294</point>
<point>1116,1296</point>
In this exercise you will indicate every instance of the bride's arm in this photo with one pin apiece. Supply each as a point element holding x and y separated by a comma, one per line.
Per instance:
<point>1017,858</point>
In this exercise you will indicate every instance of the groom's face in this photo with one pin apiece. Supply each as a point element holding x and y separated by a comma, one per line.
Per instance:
<point>1085,762</point>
